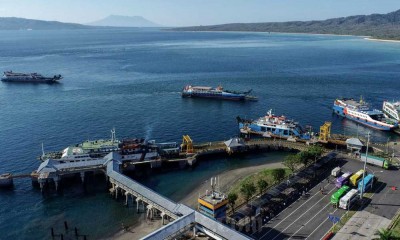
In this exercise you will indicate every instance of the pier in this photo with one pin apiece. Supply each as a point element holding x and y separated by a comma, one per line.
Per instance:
<point>179,216</point>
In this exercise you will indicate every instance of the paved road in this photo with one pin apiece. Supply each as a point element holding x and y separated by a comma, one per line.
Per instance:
<point>307,218</point>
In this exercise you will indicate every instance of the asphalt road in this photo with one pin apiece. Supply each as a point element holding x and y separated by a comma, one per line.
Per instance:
<point>307,218</point>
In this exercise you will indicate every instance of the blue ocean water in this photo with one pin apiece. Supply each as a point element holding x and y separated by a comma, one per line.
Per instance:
<point>131,80</point>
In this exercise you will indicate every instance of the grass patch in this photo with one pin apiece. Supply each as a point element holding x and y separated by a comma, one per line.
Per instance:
<point>264,174</point>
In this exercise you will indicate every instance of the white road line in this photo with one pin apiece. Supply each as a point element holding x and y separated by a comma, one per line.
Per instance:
<point>292,211</point>
<point>303,225</point>
<point>302,215</point>
<point>350,218</point>
<point>320,226</point>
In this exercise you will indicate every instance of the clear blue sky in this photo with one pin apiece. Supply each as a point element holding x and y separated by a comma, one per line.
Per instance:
<point>193,12</point>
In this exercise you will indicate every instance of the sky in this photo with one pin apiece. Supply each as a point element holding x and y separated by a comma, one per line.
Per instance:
<point>194,12</point>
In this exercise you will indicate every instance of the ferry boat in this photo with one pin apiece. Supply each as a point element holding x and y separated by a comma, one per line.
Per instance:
<point>218,93</point>
<point>10,76</point>
<point>131,150</point>
<point>392,110</point>
<point>362,113</point>
<point>274,126</point>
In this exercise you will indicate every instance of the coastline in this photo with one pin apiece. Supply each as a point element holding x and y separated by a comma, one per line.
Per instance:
<point>292,33</point>
<point>381,40</point>
<point>226,180</point>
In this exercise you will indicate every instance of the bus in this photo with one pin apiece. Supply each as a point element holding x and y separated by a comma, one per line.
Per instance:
<point>368,181</point>
<point>339,194</point>
<point>342,180</point>
<point>356,177</point>
<point>347,201</point>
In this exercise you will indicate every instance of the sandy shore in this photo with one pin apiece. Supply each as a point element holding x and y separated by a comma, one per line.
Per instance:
<point>226,180</point>
<point>382,40</point>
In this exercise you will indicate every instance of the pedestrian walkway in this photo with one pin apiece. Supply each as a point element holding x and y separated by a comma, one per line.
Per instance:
<point>363,225</point>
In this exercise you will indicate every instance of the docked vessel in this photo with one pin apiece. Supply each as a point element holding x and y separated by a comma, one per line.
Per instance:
<point>218,93</point>
<point>361,112</point>
<point>131,150</point>
<point>274,126</point>
<point>392,110</point>
<point>10,76</point>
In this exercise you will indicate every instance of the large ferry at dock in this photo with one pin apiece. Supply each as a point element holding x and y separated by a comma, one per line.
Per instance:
<point>131,150</point>
<point>360,112</point>
<point>274,126</point>
<point>10,76</point>
<point>218,93</point>
<point>392,110</point>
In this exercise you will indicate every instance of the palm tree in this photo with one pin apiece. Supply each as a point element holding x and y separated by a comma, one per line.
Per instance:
<point>385,234</point>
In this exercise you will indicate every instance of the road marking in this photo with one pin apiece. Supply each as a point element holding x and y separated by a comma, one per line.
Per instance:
<point>320,226</point>
<point>302,214</point>
<point>292,211</point>
<point>357,210</point>
<point>303,225</point>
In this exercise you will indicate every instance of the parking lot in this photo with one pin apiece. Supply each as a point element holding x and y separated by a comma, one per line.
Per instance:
<point>307,218</point>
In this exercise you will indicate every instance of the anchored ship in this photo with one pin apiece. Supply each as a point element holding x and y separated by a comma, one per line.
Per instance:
<point>10,76</point>
<point>218,93</point>
<point>362,113</point>
<point>392,110</point>
<point>274,126</point>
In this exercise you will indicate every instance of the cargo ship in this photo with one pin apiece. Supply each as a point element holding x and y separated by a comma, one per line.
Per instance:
<point>274,126</point>
<point>360,112</point>
<point>216,93</point>
<point>10,76</point>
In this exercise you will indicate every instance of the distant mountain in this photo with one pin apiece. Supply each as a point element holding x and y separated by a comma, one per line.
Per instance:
<point>12,23</point>
<point>124,21</point>
<point>383,26</point>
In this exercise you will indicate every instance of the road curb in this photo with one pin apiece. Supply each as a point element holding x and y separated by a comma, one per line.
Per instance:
<point>395,219</point>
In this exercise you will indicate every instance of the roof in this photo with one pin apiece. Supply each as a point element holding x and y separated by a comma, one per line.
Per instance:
<point>354,141</point>
<point>234,142</point>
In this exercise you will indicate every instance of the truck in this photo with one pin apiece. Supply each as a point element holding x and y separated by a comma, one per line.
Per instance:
<point>374,160</point>
<point>336,171</point>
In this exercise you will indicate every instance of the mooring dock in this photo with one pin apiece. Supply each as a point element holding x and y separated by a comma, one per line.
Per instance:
<point>183,217</point>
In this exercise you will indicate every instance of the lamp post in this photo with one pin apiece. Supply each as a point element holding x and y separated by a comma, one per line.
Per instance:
<point>365,165</point>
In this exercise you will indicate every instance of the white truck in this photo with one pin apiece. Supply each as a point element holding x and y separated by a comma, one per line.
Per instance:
<point>377,161</point>
<point>336,171</point>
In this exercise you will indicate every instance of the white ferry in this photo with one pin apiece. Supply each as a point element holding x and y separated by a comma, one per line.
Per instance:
<point>362,113</point>
<point>392,110</point>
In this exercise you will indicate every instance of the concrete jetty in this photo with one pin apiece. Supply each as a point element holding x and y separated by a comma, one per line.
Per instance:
<point>180,217</point>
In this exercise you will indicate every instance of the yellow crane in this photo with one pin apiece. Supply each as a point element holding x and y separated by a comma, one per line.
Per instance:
<point>187,144</point>
<point>325,132</point>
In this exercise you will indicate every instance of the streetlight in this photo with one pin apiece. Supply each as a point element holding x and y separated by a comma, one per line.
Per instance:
<point>365,165</point>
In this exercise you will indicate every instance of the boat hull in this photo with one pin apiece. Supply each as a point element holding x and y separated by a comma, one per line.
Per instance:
<point>339,110</point>
<point>232,97</point>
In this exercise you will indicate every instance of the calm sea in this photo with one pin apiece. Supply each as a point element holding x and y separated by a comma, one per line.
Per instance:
<point>131,80</point>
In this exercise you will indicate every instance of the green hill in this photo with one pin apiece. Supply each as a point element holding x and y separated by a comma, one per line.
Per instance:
<point>382,26</point>
<point>13,23</point>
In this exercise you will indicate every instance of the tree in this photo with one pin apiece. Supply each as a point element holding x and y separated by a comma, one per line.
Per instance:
<point>278,174</point>
<point>291,161</point>
<point>232,197</point>
<point>304,157</point>
<point>385,234</point>
<point>248,189</point>
<point>315,151</point>
<point>262,185</point>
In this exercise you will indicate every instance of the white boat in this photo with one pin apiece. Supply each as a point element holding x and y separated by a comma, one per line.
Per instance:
<point>392,110</point>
